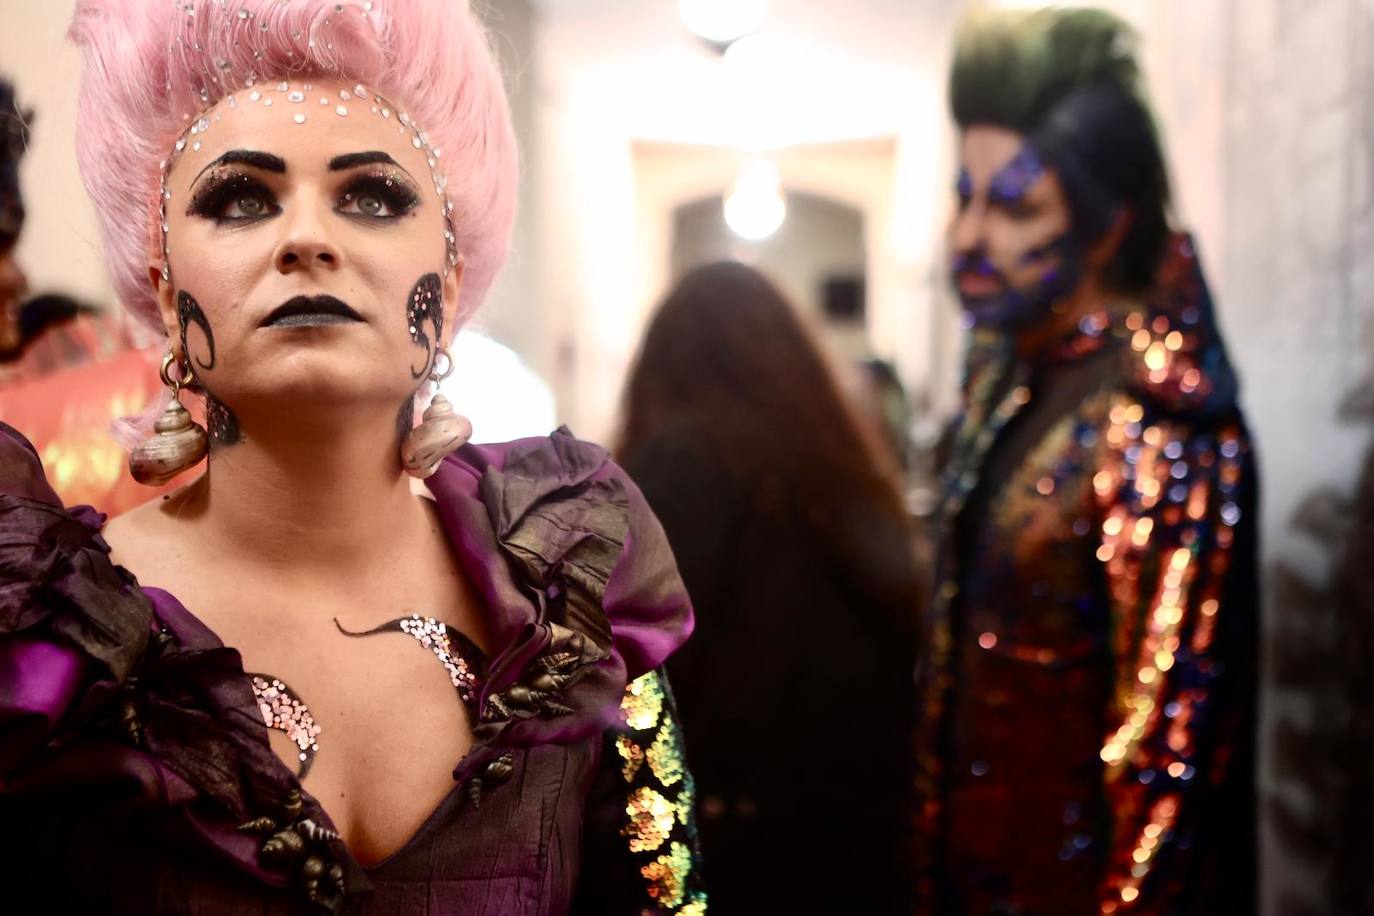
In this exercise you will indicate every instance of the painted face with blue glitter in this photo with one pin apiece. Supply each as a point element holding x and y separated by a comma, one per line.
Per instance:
<point>1012,245</point>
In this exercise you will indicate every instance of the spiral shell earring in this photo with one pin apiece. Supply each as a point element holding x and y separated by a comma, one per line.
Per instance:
<point>442,431</point>
<point>179,443</point>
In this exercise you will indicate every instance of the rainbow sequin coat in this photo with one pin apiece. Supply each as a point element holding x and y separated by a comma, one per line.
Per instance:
<point>1085,739</point>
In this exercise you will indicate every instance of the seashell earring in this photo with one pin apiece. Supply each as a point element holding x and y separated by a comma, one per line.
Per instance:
<point>442,432</point>
<point>180,442</point>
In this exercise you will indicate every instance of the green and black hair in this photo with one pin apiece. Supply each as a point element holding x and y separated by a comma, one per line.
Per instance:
<point>1070,81</point>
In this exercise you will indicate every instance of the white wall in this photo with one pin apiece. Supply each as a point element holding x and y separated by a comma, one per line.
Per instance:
<point>1299,134</point>
<point>859,175</point>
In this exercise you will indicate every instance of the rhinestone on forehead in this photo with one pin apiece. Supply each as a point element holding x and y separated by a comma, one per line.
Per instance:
<point>419,140</point>
<point>184,24</point>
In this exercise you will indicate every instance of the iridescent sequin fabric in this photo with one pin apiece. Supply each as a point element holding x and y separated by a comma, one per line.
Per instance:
<point>658,825</point>
<point>1089,685</point>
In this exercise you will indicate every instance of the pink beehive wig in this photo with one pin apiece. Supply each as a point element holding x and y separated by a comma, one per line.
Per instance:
<point>152,65</point>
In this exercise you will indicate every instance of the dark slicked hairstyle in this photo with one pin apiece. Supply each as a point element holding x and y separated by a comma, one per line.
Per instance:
<point>1069,80</point>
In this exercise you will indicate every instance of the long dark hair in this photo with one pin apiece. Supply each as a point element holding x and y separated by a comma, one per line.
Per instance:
<point>727,362</point>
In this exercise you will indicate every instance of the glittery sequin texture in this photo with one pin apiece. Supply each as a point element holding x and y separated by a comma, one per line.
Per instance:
<point>667,875</point>
<point>433,635</point>
<point>1092,527</point>
<point>665,754</point>
<point>283,710</point>
<point>651,819</point>
<point>643,703</point>
<point>632,755</point>
<point>659,820</point>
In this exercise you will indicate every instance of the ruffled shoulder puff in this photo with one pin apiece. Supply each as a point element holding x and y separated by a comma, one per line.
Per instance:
<point>66,612</point>
<point>581,588</point>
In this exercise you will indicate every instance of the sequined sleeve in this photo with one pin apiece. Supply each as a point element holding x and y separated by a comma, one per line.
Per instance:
<point>1176,545</point>
<point>641,854</point>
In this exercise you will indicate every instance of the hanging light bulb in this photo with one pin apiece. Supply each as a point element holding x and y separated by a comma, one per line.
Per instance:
<point>721,21</point>
<point>754,206</point>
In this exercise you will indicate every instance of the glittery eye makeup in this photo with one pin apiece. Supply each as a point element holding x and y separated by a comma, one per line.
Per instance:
<point>378,196</point>
<point>231,196</point>
<point>1013,181</point>
<point>963,188</point>
<point>245,210</point>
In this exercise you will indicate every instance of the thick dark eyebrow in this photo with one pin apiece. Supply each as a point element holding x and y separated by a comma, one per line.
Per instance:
<point>351,160</point>
<point>265,161</point>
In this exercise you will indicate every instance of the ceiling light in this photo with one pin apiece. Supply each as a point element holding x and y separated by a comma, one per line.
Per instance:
<point>721,21</point>
<point>754,206</point>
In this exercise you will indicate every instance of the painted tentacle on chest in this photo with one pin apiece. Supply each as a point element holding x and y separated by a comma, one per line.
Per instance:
<point>286,712</point>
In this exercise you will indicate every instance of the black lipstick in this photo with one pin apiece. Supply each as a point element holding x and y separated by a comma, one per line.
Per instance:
<point>310,311</point>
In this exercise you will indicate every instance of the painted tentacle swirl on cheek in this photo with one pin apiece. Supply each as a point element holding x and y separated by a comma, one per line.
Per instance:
<point>426,306</point>
<point>189,312</point>
<point>223,425</point>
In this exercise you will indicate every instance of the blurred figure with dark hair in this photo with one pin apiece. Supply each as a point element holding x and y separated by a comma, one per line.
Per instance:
<point>67,369</point>
<point>14,136</point>
<point>1086,740</point>
<point>50,332</point>
<point>796,690</point>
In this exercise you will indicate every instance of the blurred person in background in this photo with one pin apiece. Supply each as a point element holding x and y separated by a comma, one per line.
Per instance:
<point>13,284</point>
<point>67,369</point>
<point>1086,740</point>
<point>783,512</point>
<point>52,331</point>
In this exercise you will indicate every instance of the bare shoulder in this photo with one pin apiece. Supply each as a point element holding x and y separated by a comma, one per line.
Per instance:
<point>143,540</point>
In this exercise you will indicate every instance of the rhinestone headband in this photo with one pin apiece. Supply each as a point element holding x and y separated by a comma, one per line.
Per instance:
<point>256,91</point>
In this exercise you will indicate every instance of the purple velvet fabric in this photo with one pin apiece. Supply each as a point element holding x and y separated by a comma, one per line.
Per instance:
<point>132,749</point>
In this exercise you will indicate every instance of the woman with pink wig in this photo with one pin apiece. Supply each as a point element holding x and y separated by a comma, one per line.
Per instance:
<point>357,665</point>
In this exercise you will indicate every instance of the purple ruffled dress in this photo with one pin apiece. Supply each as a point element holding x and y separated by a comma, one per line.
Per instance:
<point>136,775</point>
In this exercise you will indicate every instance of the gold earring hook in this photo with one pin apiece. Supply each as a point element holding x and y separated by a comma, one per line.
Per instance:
<point>187,376</point>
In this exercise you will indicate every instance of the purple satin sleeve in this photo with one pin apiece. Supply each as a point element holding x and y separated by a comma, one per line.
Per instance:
<point>38,681</point>
<point>21,473</point>
<point>556,514</point>
<point>68,616</point>
<point>645,600</point>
